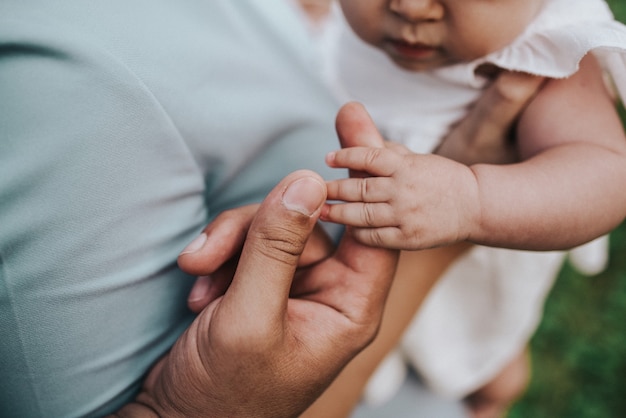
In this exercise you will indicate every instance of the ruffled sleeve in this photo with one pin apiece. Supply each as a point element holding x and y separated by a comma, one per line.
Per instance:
<point>563,33</point>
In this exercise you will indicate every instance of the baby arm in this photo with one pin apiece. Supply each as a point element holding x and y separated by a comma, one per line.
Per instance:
<point>566,190</point>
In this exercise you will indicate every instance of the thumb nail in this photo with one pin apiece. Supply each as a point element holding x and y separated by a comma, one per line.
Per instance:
<point>304,195</point>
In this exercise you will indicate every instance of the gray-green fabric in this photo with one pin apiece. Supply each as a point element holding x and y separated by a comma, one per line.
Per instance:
<point>124,126</point>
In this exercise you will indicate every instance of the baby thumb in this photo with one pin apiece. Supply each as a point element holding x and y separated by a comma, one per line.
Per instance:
<point>356,128</point>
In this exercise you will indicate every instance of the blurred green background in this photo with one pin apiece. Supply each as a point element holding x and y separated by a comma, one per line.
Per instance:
<point>579,350</point>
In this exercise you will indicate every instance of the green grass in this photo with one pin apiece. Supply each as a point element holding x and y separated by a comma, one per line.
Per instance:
<point>579,350</point>
<point>619,9</point>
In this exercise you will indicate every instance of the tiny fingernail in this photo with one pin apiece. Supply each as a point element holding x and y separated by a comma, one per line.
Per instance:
<point>304,195</point>
<point>200,289</point>
<point>195,245</point>
<point>330,157</point>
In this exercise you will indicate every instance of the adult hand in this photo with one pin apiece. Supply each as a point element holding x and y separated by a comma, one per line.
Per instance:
<point>255,351</point>
<point>485,135</point>
<point>214,255</point>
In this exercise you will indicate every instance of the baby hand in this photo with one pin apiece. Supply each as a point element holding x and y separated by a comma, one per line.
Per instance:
<point>402,200</point>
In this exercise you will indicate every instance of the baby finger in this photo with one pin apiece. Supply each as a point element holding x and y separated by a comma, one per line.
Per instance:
<point>360,214</point>
<point>368,189</point>
<point>388,237</point>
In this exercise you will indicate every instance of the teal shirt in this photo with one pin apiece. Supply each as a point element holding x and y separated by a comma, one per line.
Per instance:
<point>124,127</point>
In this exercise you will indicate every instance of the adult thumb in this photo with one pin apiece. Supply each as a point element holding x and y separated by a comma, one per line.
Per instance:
<point>279,231</point>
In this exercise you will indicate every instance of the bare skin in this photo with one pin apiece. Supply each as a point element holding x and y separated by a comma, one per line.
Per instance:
<point>577,154</point>
<point>492,397</point>
<point>483,137</point>
<point>420,35</point>
<point>487,134</point>
<point>408,291</point>
<point>480,138</point>
<point>278,345</point>
<point>479,134</point>
<point>410,287</point>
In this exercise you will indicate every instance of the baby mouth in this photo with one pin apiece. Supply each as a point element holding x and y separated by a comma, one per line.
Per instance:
<point>414,50</point>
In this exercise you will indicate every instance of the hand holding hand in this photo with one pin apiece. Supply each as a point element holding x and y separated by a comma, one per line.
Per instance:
<point>214,255</point>
<point>407,201</point>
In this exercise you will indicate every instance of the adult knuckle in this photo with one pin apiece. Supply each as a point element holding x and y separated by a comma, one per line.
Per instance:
<point>281,239</point>
<point>224,218</point>
<point>230,221</point>
<point>365,326</point>
<point>369,331</point>
<point>515,89</point>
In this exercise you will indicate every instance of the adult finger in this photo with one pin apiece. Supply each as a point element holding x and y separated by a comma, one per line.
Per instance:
<point>257,297</point>
<point>318,247</point>
<point>220,241</point>
<point>208,288</point>
<point>502,103</point>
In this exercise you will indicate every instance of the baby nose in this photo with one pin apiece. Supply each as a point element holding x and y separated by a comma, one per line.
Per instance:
<point>417,10</point>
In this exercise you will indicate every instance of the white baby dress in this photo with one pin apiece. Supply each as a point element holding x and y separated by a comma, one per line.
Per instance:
<point>487,305</point>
